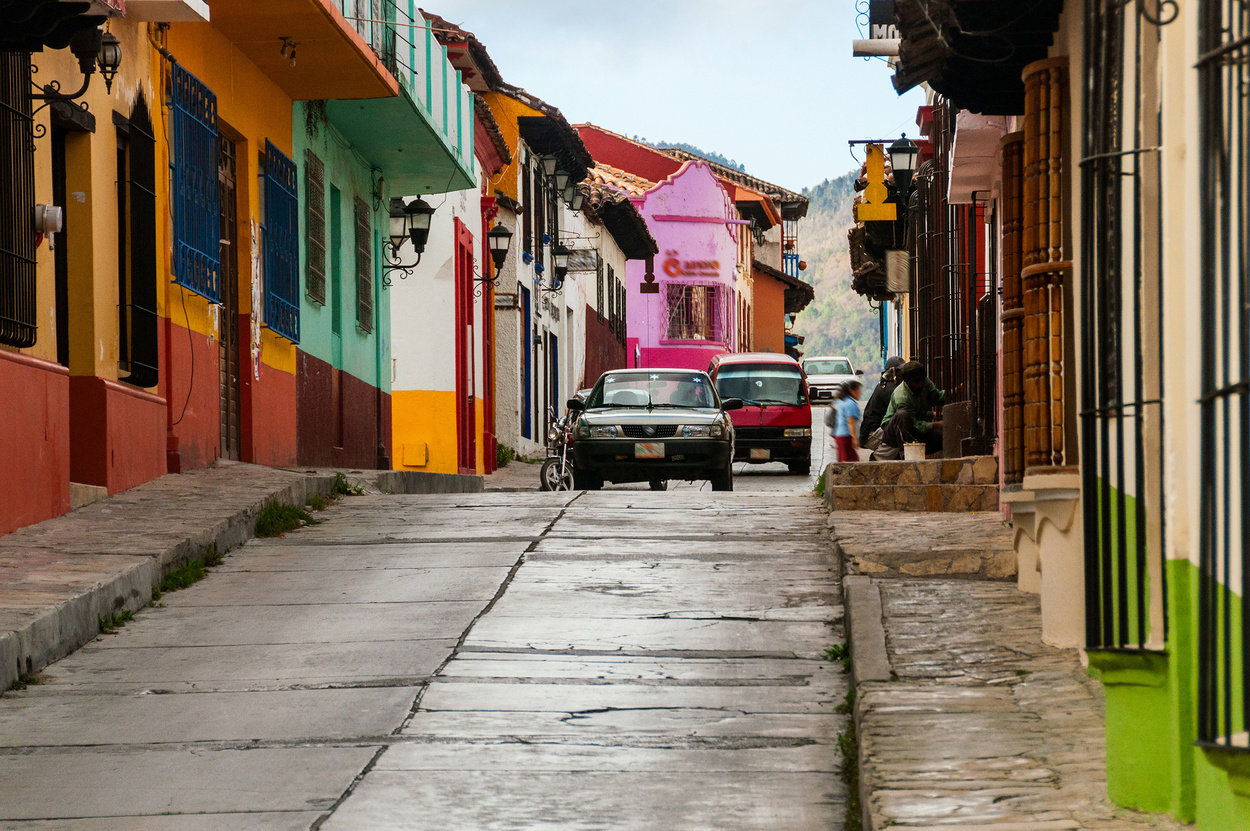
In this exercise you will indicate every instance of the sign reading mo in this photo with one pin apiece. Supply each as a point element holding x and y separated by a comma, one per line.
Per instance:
<point>881,20</point>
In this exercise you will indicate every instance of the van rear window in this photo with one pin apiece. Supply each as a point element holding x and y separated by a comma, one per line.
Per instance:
<point>761,383</point>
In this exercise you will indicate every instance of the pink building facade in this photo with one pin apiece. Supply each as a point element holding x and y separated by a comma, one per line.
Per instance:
<point>685,313</point>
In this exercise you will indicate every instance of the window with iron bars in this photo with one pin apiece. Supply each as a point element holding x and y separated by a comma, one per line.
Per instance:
<point>364,266</point>
<point>315,227</point>
<point>281,243</point>
<point>1224,451</point>
<point>696,311</point>
<point>137,323</point>
<point>17,203</point>
<point>1122,332</point>
<point>197,216</point>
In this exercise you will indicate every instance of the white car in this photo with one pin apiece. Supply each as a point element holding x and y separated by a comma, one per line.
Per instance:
<point>825,373</point>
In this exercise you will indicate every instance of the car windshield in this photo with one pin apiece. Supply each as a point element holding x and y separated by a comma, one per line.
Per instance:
<point>827,367</point>
<point>653,389</point>
<point>761,383</point>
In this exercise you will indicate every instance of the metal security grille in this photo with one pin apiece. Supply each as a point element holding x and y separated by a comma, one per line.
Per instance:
<point>315,225</point>
<point>1122,329</point>
<point>364,266</point>
<point>17,203</point>
<point>281,238</point>
<point>1224,555</point>
<point>197,214</point>
<point>599,308</point>
<point>695,312</point>
<point>659,431</point>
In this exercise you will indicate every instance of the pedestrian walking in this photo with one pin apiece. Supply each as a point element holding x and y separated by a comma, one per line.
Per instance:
<point>842,419</point>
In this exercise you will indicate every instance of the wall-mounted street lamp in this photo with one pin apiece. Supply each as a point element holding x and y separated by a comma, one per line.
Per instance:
<point>903,155</point>
<point>499,239</point>
<point>550,163</point>
<point>410,222</point>
<point>94,49</point>
<point>574,197</point>
<point>559,269</point>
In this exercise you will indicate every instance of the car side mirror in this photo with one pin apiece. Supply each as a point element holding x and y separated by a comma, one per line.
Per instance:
<point>859,372</point>
<point>575,404</point>
<point>731,404</point>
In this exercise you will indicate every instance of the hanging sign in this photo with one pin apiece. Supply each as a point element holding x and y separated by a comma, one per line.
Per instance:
<point>874,207</point>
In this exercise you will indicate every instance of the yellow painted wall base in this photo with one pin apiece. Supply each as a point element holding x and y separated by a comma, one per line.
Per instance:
<point>424,417</point>
<point>424,431</point>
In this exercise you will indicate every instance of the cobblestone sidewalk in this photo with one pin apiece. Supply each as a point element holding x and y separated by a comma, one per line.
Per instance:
<point>983,726</point>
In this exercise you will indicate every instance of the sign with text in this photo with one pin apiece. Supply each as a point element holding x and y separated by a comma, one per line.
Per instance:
<point>881,20</point>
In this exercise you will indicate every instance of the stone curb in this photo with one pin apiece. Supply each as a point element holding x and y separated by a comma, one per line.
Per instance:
<point>416,481</point>
<point>69,623</point>
<point>870,662</point>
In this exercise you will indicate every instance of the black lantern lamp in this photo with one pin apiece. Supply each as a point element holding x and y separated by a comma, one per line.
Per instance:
<point>550,163</point>
<point>560,259</point>
<point>110,59</point>
<point>410,222</point>
<point>499,238</point>
<point>574,197</point>
<point>903,155</point>
<point>562,180</point>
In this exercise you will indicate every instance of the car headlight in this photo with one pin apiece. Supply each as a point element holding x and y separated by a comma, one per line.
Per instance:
<point>712,431</point>
<point>583,430</point>
<point>798,432</point>
<point>609,432</point>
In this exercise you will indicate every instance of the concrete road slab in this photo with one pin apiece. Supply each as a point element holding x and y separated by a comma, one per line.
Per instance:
<point>171,668</point>
<point>756,548</point>
<point>376,586</point>
<point>722,801</point>
<point>268,821</point>
<point>673,727</point>
<point>103,783</point>
<point>795,756</point>
<point>202,625</point>
<point>586,698</point>
<point>264,557</point>
<point>727,637</point>
<point>63,721</point>
<point>642,669</point>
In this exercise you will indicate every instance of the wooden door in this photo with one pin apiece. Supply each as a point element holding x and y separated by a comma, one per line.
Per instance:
<point>228,342</point>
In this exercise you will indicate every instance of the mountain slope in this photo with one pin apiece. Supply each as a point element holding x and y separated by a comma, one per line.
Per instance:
<point>838,321</point>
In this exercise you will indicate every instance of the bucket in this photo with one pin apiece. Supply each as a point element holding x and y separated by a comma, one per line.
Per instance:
<point>913,451</point>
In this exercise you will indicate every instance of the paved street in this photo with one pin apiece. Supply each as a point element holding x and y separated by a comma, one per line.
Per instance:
<point>619,659</point>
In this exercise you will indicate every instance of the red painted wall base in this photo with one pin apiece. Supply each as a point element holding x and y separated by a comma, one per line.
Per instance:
<point>117,434</point>
<point>34,440</point>
<point>337,423</point>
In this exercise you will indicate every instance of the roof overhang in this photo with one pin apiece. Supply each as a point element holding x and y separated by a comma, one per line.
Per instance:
<point>34,26</point>
<point>628,228</point>
<point>546,136</point>
<point>972,51</point>
<point>797,293</point>
<point>332,60</point>
<point>395,136</point>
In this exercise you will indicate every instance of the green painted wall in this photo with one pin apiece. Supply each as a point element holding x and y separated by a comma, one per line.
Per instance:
<point>362,353</point>
<point>1153,763</point>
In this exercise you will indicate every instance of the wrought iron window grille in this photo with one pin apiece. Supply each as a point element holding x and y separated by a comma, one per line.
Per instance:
<point>195,196</point>
<point>280,241</point>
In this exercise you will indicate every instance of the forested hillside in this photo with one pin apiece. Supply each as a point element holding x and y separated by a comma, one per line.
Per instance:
<point>838,321</point>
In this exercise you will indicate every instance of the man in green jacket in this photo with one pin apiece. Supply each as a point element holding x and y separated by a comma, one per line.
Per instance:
<point>906,419</point>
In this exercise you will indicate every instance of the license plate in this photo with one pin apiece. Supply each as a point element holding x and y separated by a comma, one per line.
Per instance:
<point>761,453</point>
<point>649,450</point>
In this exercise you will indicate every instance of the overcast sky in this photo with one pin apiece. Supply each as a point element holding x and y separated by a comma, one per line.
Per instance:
<point>768,83</point>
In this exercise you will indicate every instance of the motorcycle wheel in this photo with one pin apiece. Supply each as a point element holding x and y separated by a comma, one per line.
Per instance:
<point>556,475</point>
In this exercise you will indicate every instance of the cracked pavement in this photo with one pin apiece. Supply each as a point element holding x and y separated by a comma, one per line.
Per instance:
<point>621,659</point>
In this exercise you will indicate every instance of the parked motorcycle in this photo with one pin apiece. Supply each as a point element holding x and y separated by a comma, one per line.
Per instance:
<point>556,474</point>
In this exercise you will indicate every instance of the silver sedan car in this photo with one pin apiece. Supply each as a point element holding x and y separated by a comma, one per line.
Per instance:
<point>651,425</point>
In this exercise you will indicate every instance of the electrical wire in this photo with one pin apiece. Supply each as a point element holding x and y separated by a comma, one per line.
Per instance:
<point>191,344</point>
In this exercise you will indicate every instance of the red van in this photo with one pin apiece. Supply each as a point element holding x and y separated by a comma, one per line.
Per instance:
<point>775,422</point>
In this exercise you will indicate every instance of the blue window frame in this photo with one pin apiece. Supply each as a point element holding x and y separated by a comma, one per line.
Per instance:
<point>197,208</point>
<point>281,242</point>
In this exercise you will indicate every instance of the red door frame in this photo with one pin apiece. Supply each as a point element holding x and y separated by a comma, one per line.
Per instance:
<point>466,415</point>
<point>490,444</point>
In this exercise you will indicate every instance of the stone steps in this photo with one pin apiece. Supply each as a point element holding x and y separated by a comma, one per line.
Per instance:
<point>965,470</point>
<point>969,483</point>
<point>932,498</point>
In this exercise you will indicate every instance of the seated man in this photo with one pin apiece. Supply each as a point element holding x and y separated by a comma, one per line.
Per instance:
<point>906,417</point>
